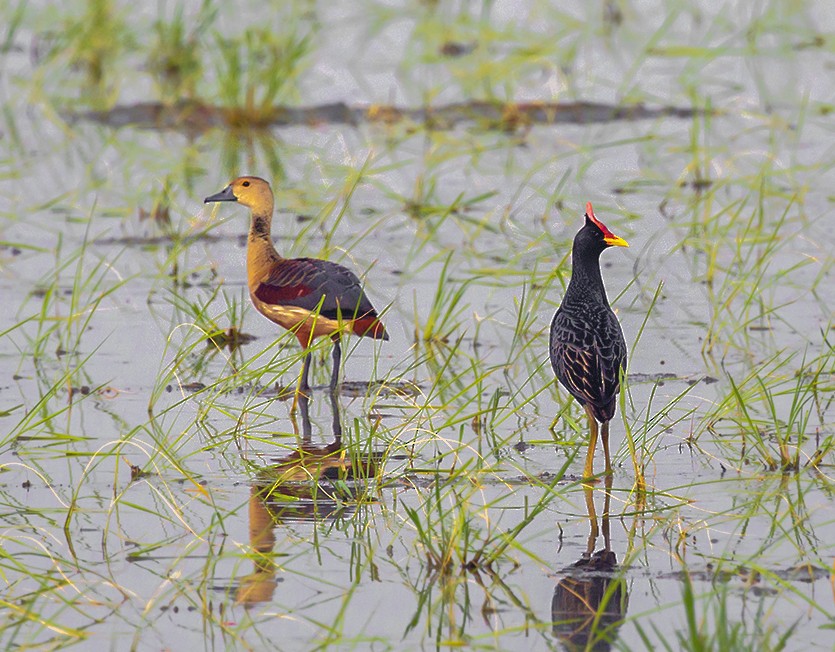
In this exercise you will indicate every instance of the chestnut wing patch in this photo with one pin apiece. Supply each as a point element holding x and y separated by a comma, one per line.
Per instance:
<point>312,284</point>
<point>281,295</point>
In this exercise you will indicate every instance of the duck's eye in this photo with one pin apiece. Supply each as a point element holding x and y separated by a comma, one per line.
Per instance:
<point>245,184</point>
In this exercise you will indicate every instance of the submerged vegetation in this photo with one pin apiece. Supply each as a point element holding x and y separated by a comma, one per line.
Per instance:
<point>155,483</point>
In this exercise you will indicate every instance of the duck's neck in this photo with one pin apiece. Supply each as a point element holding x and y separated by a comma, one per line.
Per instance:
<point>260,252</point>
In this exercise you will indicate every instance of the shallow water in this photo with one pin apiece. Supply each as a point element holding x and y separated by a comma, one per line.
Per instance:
<point>103,364</point>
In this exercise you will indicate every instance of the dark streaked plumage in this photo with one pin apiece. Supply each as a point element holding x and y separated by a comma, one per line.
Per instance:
<point>308,296</point>
<point>587,347</point>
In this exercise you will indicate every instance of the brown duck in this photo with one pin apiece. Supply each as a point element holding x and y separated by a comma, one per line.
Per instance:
<point>308,296</point>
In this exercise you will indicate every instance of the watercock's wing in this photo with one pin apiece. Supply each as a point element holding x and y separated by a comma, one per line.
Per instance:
<point>587,355</point>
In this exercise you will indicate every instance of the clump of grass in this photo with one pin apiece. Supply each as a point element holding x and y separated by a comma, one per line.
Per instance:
<point>13,21</point>
<point>66,310</point>
<point>94,44</point>
<point>739,288</point>
<point>175,57</point>
<point>256,71</point>
<point>448,522</point>
<point>444,316</point>
<point>44,421</point>
<point>772,407</point>
<point>447,542</point>
<point>464,47</point>
<point>55,337</point>
<point>432,212</point>
<point>224,330</point>
<point>710,626</point>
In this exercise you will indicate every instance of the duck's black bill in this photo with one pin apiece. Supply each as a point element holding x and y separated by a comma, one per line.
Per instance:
<point>224,195</point>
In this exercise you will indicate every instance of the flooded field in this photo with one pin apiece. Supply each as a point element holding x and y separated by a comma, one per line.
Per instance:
<point>157,490</point>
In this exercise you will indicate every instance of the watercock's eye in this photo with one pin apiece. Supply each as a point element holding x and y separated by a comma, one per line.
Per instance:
<point>245,184</point>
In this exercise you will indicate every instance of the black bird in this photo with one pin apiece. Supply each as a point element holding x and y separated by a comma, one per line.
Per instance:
<point>587,348</point>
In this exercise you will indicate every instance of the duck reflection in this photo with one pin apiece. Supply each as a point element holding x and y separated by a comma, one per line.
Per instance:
<point>311,484</point>
<point>589,604</point>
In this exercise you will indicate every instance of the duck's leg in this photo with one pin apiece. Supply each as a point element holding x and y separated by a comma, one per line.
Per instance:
<point>588,472</point>
<point>337,359</point>
<point>304,405</point>
<point>303,387</point>
<point>604,435</point>
<point>337,420</point>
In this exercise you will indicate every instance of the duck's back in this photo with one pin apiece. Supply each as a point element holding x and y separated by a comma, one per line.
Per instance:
<point>294,288</point>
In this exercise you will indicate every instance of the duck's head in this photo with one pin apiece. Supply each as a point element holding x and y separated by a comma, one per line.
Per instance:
<point>597,235</point>
<point>252,192</point>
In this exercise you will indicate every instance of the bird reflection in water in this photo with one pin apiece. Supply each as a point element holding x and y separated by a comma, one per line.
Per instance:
<point>589,604</point>
<point>313,483</point>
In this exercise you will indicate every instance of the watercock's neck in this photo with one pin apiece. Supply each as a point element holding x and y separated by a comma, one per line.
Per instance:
<point>586,280</point>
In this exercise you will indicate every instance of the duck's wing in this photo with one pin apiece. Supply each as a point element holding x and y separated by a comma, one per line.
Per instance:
<point>320,286</point>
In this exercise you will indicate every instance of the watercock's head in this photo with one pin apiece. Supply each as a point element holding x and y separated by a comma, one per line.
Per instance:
<point>595,235</point>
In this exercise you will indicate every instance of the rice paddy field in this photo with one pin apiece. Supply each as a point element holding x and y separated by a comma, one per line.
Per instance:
<point>156,489</point>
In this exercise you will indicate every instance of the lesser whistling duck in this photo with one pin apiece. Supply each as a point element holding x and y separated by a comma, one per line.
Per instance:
<point>587,347</point>
<point>308,296</point>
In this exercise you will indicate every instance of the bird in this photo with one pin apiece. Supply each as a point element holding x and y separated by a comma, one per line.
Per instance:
<point>308,296</point>
<point>587,349</point>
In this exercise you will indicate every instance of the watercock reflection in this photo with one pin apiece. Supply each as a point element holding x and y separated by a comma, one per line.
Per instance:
<point>313,483</point>
<point>589,603</point>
